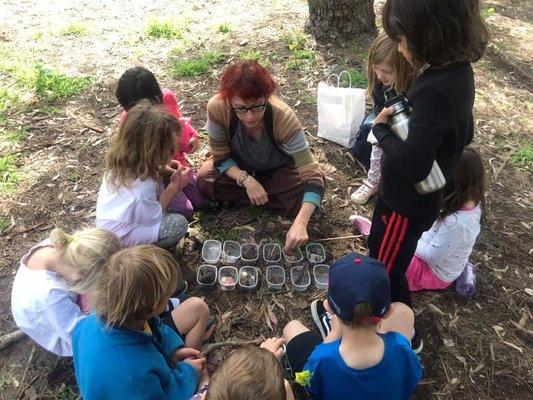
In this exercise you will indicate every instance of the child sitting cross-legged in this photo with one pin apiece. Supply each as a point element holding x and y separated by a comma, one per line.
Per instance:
<point>367,353</point>
<point>123,351</point>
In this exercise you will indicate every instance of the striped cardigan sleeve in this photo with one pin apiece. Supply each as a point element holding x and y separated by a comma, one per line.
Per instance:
<point>290,137</point>
<point>218,135</point>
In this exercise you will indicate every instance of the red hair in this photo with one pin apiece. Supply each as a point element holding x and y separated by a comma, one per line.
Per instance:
<point>247,80</point>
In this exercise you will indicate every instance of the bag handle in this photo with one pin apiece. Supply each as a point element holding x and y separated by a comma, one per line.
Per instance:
<point>349,77</point>
<point>327,80</point>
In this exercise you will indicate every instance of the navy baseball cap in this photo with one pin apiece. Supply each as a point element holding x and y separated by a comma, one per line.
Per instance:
<point>354,279</point>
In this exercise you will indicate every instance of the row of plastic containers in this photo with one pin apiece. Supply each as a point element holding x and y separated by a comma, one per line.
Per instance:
<point>247,277</point>
<point>231,251</point>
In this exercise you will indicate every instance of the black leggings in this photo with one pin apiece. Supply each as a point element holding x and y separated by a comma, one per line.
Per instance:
<point>393,239</point>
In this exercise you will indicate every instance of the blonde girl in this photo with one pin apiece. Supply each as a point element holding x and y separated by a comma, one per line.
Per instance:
<point>385,67</point>
<point>49,280</point>
<point>132,200</point>
<point>123,351</point>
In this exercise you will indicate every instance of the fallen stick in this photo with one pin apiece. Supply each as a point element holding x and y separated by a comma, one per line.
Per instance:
<point>93,128</point>
<point>10,338</point>
<point>338,238</point>
<point>214,346</point>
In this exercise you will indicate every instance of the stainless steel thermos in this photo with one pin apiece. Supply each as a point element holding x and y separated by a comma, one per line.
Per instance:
<point>399,125</point>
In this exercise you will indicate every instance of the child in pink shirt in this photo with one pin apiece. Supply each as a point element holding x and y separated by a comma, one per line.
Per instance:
<point>139,83</point>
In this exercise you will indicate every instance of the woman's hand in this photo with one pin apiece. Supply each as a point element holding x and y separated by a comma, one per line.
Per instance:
<point>256,193</point>
<point>296,236</point>
<point>383,116</point>
<point>274,345</point>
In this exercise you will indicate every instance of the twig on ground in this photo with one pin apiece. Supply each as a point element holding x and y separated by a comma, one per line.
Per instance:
<point>10,338</point>
<point>230,343</point>
<point>93,128</point>
<point>338,238</point>
<point>23,386</point>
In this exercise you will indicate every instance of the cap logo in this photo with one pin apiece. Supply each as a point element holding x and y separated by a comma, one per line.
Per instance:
<point>358,261</point>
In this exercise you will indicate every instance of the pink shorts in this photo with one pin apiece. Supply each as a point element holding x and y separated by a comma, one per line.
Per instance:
<point>420,277</point>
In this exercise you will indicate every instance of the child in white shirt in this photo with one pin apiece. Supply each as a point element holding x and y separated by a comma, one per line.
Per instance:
<point>132,200</point>
<point>45,294</point>
<point>442,252</point>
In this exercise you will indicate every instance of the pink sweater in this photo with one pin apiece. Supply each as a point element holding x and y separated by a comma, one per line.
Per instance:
<point>187,131</point>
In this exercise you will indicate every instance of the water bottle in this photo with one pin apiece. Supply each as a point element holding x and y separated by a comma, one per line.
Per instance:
<point>400,126</point>
<point>465,285</point>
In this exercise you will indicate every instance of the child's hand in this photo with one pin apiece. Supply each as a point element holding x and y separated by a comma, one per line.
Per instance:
<point>275,346</point>
<point>185,176</point>
<point>193,144</point>
<point>197,363</point>
<point>175,180</point>
<point>184,353</point>
<point>383,116</point>
<point>174,164</point>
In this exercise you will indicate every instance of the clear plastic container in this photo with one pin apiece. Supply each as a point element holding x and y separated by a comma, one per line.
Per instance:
<point>231,252</point>
<point>249,253</point>
<point>275,277</point>
<point>271,253</point>
<point>294,257</point>
<point>321,276</point>
<point>248,277</point>
<point>300,278</point>
<point>211,251</point>
<point>228,277</point>
<point>206,276</point>
<point>315,253</point>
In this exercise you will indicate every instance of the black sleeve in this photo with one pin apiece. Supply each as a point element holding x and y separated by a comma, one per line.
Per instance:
<point>431,119</point>
<point>378,98</point>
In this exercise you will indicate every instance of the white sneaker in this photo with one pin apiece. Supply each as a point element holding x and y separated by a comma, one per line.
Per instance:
<point>364,192</point>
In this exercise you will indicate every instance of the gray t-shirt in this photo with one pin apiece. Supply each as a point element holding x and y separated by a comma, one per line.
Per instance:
<point>256,155</point>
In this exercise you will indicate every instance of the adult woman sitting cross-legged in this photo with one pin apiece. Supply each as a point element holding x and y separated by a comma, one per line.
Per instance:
<point>259,152</point>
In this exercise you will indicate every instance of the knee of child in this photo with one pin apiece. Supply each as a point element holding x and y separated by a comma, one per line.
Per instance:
<point>405,312</point>
<point>291,328</point>
<point>199,305</point>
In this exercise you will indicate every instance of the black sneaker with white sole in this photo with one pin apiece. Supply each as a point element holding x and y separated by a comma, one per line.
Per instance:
<point>321,317</point>
<point>417,344</point>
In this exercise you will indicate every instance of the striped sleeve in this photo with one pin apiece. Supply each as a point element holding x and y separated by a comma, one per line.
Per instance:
<point>313,179</point>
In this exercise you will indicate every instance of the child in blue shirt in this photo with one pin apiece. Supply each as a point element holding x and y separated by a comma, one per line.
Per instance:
<point>122,351</point>
<point>366,353</point>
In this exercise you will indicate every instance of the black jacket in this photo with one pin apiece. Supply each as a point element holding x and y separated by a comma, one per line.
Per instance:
<point>440,126</point>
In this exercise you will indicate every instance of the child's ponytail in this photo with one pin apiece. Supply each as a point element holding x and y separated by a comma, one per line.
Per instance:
<point>87,251</point>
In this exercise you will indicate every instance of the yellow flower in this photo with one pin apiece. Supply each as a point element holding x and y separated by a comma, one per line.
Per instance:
<point>303,378</point>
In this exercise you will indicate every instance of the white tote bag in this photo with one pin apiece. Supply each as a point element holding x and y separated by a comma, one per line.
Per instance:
<point>341,111</point>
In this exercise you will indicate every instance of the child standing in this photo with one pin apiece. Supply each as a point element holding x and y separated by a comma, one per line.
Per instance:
<point>123,351</point>
<point>444,37</point>
<point>385,67</point>
<point>139,83</point>
<point>132,201</point>
<point>45,294</point>
<point>442,252</point>
<point>367,354</point>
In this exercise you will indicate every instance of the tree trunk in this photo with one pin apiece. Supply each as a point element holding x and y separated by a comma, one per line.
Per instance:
<point>332,18</point>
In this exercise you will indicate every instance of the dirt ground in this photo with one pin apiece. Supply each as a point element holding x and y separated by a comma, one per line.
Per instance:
<point>479,348</point>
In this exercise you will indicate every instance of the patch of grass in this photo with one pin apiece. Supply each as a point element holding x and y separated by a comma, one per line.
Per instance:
<point>225,27</point>
<point>523,157</point>
<point>164,29</point>
<point>5,223</point>
<point>360,52</point>
<point>17,136</point>
<point>51,85</point>
<point>254,55</point>
<point>72,175</point>
<point>358,78</point>
<point>73,30</point>
<point>295,40</point>
<point>487,12</point>
<point>24,78</point>
<point>196,66</point>
<point>9,175</point>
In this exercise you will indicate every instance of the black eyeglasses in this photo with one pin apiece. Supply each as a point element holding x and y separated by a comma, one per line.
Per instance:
<point>255,109</point>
